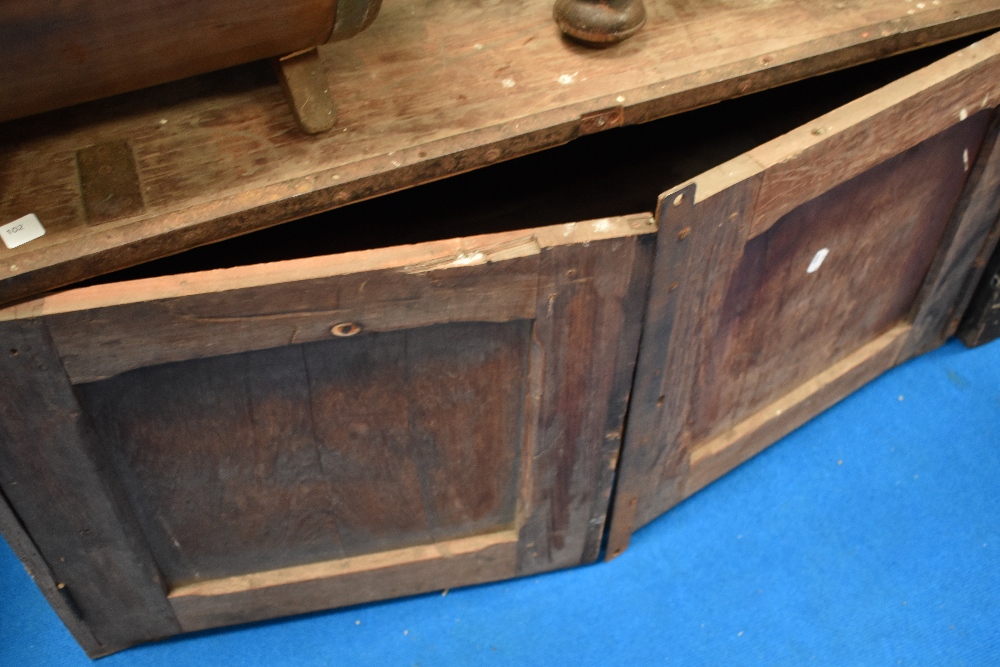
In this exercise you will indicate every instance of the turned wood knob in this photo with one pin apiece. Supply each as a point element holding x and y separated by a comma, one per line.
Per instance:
<point>599,22</point>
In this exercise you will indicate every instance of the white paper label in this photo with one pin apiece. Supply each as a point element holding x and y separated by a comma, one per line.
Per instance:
<point>21,231</point>
<point>817,260</point>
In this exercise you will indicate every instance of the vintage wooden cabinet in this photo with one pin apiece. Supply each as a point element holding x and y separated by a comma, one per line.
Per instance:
<point>318,415</point>
<point>212,448</point>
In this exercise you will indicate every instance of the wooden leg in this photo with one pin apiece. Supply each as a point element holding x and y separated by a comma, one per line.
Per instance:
<point>303,78</point>
<point>600,22</point>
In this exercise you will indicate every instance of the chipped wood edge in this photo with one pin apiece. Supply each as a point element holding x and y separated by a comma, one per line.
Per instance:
<point>415,259</point>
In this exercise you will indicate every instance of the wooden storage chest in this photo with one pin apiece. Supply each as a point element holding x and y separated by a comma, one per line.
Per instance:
<point>314,415</point>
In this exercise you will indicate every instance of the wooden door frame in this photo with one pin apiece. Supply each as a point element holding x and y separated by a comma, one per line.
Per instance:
<point>703,227</point>
<point>582,284</point>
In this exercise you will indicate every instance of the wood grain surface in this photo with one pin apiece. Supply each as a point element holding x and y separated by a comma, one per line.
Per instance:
<point>981,322</point>
<point>463,427</point>
<point>787,277</point>
<point>780,324</point>
<point>24,548</point>
<point>951,285</point>
<point>431,89</point>
<point>304,453</point>
<point>346,581</point>
<point>56,54</point>
<point>59,483</point>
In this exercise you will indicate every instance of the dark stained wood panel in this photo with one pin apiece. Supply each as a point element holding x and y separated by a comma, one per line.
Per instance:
<point>780,324</point>
<point>431,89</point>
<point>306,453</point>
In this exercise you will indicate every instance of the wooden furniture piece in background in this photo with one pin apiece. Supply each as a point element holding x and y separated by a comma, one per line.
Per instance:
<point>57,54</point>
<point>430,90</point>
<point>790,276</point>
<point>981,323</point>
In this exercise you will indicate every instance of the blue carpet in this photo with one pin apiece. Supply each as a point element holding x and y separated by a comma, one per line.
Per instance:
<point>867,537</point>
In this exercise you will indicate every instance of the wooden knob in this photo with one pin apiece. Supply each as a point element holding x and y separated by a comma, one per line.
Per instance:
<point>599,22</point>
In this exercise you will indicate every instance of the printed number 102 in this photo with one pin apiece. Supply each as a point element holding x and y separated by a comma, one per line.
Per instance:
<point>14,230</point>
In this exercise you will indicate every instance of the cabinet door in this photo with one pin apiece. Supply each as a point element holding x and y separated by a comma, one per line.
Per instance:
<point>213,448</point>
<point>790,276</point>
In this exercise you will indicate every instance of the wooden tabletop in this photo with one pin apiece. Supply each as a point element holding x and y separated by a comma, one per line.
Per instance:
<point>431,89</point>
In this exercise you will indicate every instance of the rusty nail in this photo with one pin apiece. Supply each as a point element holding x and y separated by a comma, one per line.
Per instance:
<point>683,234</point>
<point>672,286</point>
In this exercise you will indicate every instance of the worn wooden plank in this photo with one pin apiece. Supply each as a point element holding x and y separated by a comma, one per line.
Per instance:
<point>59,485</point>
<point>698,248</point>
<point>429,90</point>
<point>347,581</point>
<point>34,563</point>
<point>970,241</point>
<point>590,303</point>
<point>713,458</point>
<point>854,138</point>
<point>420,439</point>
<point>981,322</point>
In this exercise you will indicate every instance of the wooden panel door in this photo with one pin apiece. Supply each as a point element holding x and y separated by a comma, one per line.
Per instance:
<point>212,448</point>
<point>790,276</point>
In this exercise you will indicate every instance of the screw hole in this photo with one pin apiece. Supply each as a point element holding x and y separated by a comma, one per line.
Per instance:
<point>345,329</point>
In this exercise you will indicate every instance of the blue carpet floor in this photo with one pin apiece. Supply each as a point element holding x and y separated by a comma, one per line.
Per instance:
<point>870,536</point>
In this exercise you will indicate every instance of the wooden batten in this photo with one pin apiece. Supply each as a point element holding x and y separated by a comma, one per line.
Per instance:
<point>852,139</point>
<point>344,582</point>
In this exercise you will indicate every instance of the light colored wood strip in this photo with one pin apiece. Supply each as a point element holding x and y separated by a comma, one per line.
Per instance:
<point>346,581</point>
<point>105,330</point>
<point>714,458</point>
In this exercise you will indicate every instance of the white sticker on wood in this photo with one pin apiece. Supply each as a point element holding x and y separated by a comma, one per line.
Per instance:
<point>817,260</point>
<point>21,231</point>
